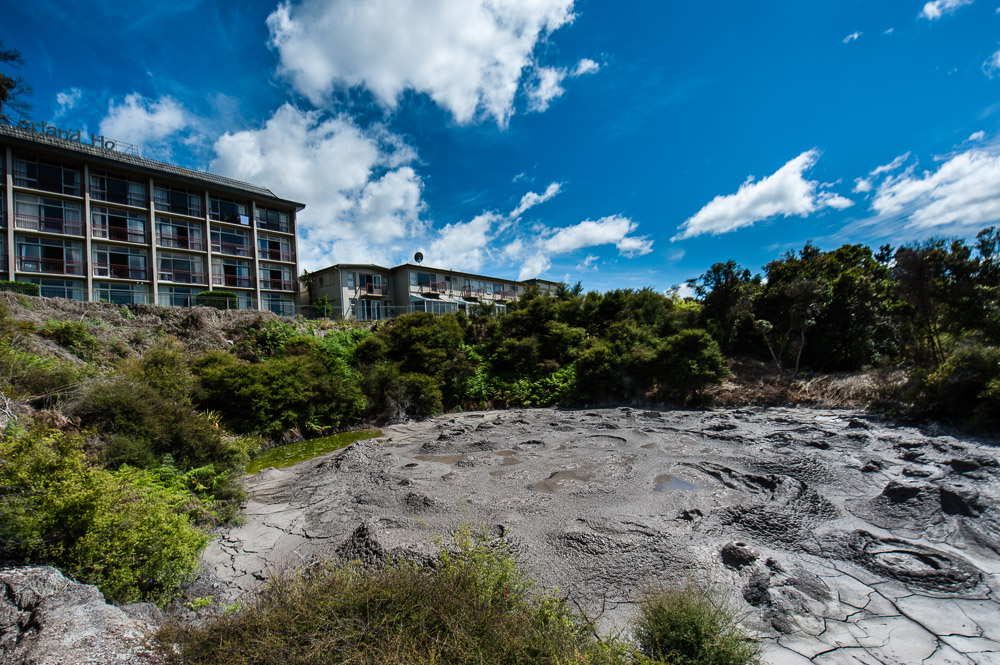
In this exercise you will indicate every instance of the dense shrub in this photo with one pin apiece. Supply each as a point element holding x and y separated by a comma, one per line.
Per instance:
<point>689,626</point>
<point>964,387</point>
<point>24,288</point>
<point>164,368</point>
<point>689,362</point>
<point>73,336</point>
<point>119,530</point>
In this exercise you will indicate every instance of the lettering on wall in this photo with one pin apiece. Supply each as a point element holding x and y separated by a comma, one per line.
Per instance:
<point>48,129</point>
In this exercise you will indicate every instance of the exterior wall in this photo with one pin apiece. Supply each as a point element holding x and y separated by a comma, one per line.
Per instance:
<point>93,229</point>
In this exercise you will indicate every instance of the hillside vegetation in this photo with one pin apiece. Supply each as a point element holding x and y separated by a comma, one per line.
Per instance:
<point>126,429</point>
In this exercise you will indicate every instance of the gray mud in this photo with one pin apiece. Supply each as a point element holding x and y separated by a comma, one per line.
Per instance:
<point>843,539</point>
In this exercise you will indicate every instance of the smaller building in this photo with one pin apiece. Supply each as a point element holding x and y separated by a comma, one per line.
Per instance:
<point>369,292</point>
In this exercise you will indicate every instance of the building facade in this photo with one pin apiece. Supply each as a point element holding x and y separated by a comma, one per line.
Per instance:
<point>368,292</point>
<point>87,222</point>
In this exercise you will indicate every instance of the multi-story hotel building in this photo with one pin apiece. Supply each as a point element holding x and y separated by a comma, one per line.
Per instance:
<point>367,292</point>
<point>91,223</point>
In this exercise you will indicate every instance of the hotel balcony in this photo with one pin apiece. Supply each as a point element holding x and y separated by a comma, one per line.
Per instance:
<point>373,290</point>
<point>49,266</point>
<point>277,284</point>
<point>473,293</point>
<point>182,276</point>
<point>230,248</point>
<point>118,271</point>
<point>180,242</point>
<point>119,233</point>
<point>281,227</point>
<point>268,254</point>
<point>504,295</point>
<point>239,281</point>
<point>48,224</point>
<point>432,287</point>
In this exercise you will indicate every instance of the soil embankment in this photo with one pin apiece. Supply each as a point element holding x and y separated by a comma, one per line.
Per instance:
<point>844,539</point>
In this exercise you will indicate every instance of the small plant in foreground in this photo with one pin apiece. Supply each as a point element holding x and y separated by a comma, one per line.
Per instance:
<point>689,625</point>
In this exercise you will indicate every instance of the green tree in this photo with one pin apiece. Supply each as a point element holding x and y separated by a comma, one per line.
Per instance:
<point>13,88</point>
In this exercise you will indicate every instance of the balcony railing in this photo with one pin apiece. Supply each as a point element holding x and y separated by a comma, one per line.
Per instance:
<point>67,227</point>
<point>119,233</point>
<point>241,281</point>
<point>180,242</point>
<point>230,248</point>
<point>281,227</point>
<point>182,276</point>
<point>119,271</point>
<point>138,200</point>
<point>432,287</point>
<point>470,292</point>
<point>374,289</point>
<point>276,284</point>
<point>503,295</point>
<point>269,254</point>
<point>49,266</point>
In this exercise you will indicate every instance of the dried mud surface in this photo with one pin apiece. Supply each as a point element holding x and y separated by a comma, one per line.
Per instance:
<point>842,538</point>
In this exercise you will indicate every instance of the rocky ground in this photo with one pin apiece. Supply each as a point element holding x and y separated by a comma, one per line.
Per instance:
<point>842,538</point>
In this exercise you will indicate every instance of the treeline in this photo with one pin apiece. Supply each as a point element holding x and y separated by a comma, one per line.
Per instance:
<point>171,428</point>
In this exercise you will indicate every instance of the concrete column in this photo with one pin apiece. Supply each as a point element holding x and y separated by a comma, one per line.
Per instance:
<point>88,256</point>
<point>155,264</point>
<point>8,202</point>
<point>208,232</point>
<point>255,261</point>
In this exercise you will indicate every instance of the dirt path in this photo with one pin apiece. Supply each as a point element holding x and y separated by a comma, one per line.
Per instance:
<point>845,540</point>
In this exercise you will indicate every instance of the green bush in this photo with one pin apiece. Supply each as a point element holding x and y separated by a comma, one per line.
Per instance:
<point>422,395</point>
<point>216,299</point>
<point>689,626</point>
<point>119,530</point>
<point>689,362</point>
<point>73,336</point>
<point>476,607</point>
<point>164,368</point>
<point>964,387</point>
<point>24,288</point>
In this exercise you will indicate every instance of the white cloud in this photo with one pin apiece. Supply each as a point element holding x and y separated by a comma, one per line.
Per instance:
<point>533,266</point>
<point>852,37</point>
<point>611,230</point>
<point>977,136</point>
<point>546,85</point>
<point>588,263</point>
<point>891,166</point>
<point>67,100</point>
<point>363,199</point>
<point>469,56</point>
<point>586,66</point>
<point>531,199</point>
<point>992,65</point>
<point>144,122</point>
<point>464,245</point>
<point>784,193</point>
<point>862,185</point>
<point>938,8</point>
<point>888,31</point>
<point>964,191</point>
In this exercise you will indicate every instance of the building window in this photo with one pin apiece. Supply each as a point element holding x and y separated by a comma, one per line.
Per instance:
<point>176,296</point>
<point>179,235</point>
<point>278,303</point>
<point>120,225</point>
<point>47,255</point>
<point>178,201</point>
<point>59,288</point>
<point>181,268</point>
<point>224,210</point>
<point>273,220</point>
<point>275,277</point>
<point>120,262</point>
<point>36,213</point>
<point>351,280</point>
<point>121,294</point>
<point>49,176</point>
<point>231,272</point>
<point>230,241</point>
<point>273,248</point>
<point>115,189</point>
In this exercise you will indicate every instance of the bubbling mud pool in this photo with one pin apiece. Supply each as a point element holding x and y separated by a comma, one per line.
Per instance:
<point>843,539</point>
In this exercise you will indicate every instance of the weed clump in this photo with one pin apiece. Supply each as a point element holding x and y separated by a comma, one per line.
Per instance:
<point>690,626</point>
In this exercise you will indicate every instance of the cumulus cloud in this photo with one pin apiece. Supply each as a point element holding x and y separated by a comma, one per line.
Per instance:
<point>464,245</point>
<point>469,56</point>
<point>145,122</point>
<point>862,185</point>
<point>963,192</point>
<point>991,67</point>
<point>852,37</point>
<point>362,196</point>
<point>784,193</point>
<point>891,166</point>
<point>531,199</point>
<point>977,136</point>
<point>612,230</point>
<point>586,66</point>
<point>938,8</point>
<point>546,85</point>
<point>67,100</point>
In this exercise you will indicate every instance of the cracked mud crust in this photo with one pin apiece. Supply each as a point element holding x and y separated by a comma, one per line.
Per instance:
<point>841,538</point>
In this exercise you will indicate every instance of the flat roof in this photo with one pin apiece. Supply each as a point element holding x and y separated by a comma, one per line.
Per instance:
<point>116,157</point>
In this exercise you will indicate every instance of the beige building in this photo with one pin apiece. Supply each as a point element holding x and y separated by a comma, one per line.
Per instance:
<point>368,292</point>
<point>87,221</point>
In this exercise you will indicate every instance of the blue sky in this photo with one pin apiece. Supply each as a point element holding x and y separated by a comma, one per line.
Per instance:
<point>622,144</point>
